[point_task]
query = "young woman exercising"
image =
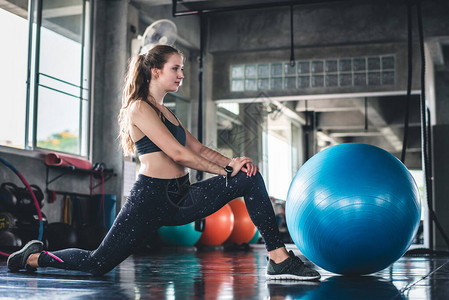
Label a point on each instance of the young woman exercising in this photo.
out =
(162, 194)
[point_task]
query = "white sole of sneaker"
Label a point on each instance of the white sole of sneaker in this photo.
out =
(291, 277)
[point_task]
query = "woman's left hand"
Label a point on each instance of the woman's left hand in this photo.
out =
(250, 168)
(245, 164)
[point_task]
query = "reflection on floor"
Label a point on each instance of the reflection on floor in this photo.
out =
(219, 274)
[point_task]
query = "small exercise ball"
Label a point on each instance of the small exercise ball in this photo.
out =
(9, 242)
(183, 235)
(255, 238)
(244, 228)
(353, 209)
(217, 227)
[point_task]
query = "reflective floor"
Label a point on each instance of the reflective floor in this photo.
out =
(219, 274)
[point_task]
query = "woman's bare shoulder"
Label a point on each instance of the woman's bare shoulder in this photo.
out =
(138, 105)
(141, 108)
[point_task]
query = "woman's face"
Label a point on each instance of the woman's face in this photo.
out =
(171, 75)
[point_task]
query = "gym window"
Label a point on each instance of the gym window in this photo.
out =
(47, 75)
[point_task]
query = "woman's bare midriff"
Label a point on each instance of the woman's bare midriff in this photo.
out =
(159, 165)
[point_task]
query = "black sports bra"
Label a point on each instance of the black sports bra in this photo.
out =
(145, 145)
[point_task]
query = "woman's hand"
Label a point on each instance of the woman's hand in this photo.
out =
(245, 164)
(251, 169)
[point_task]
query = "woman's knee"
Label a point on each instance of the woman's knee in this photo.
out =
(250, 181)
(98, 267)
(255, 178)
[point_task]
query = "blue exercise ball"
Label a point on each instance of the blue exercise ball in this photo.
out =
(353, 209)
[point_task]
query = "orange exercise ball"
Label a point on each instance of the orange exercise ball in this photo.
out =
(217, 227)
(244, 228)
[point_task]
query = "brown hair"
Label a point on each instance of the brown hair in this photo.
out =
(137, 81)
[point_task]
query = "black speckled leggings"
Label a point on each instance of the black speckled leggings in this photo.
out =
(157, 202)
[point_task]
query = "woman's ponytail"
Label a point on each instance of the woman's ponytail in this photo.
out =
(136, 80)
(136, 87)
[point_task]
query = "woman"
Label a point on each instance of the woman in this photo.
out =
(162, 194)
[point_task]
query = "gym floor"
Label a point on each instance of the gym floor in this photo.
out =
(219, 274)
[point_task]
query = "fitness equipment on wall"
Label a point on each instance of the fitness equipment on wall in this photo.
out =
(19, 199)
(7, 221)
(7, 198)
(58, 159)
(28, 226)
(33, 196)
(19, 214)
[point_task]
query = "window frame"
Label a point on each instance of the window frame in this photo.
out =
(32, 82)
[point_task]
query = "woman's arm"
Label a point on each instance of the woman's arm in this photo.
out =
(193, 144)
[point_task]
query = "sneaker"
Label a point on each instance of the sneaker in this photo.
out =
(292, 268)
(17, 260)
